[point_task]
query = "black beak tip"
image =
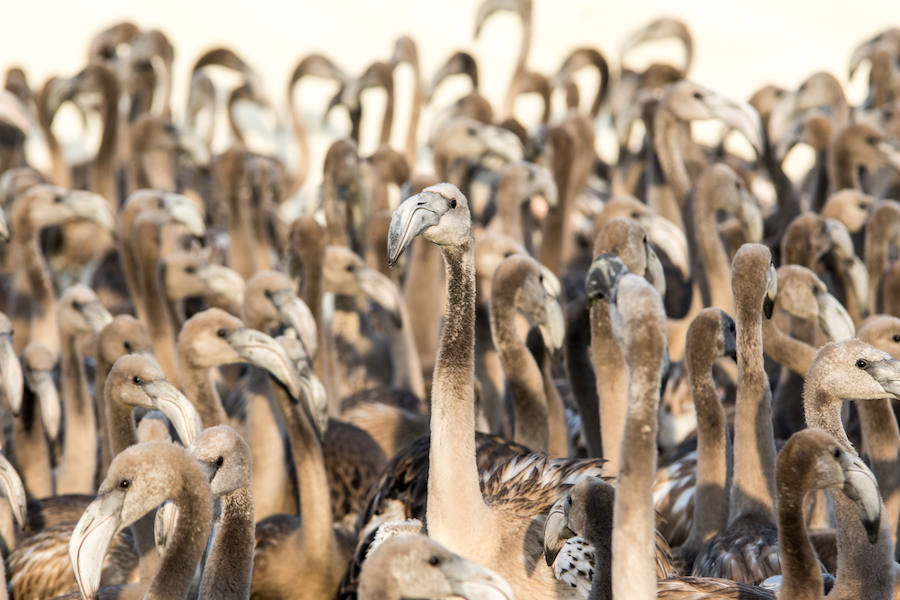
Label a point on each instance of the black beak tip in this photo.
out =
(768, 307)
(872, 529)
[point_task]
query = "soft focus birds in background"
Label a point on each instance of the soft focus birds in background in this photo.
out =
(484, 364)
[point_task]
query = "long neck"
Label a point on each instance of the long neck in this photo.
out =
(553, 244)
(42, 324)
(406, 362)
(558, 438)
(455, 504)
(753, 490)
(612, 382)
(79, 463)
(601, 583)
(581, 374)
(802, 577)
(864, 570)
(104, 165)
(159, 322)
(634, 568)
(842, 168)
(229, 563)
(422, 292)
(711, 495)
(522, 372)
(666, 138)
(713, 259)
(787, 351)
(176, 568)
(509, 213)
(412, 134)
(31, 455)
(100, 374)
(198, 387)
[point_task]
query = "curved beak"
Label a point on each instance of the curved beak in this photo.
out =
(5, 235)
(502, 143)
(12, 111)
(552, 326)
(164, 525)
(183, 211)
(787, 141)
(860, 486)
(890, 152)
(771, 292)
(312, 390)
(263, 351)
(90, 540)
(668, 237)
(14, 490)
(739, 115)
(472, 581)
(655, 273)
(887, 373)
(381, 290)
(40, 382)
(413, 216)
(96, 315)
(294, 311)
(556, 530)
(92, 207)
(177, 408)
(194, 147)
(11, 378)
(834, 319)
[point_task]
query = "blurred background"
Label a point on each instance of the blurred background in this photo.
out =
(739, 46)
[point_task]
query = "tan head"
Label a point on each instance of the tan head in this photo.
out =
(865, 145)
(754, 280)
(45, 205)
(226, 457)
(586, 511)
(534, 291)
(728, 192)
(440, 213)
(687, 102)
(849, 370)
(80, 311)
(850, 207)
(213, 337)
(270, 300)
(806, 239)
(139, 479)
(123, 335)
(882, 332)
(802, 294)
(626, 239)
(490, 250)
(415, 566)
(137, 381)
(667, 236)
(814, 460)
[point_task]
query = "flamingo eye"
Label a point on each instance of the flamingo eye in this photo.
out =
(221, 333)
(220, 461)
(861, 364)
(836, 452)
(434, 561)
(124, 484)
(453, 203)
(137, 380)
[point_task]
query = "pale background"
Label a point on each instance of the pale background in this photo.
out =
(739, 45)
